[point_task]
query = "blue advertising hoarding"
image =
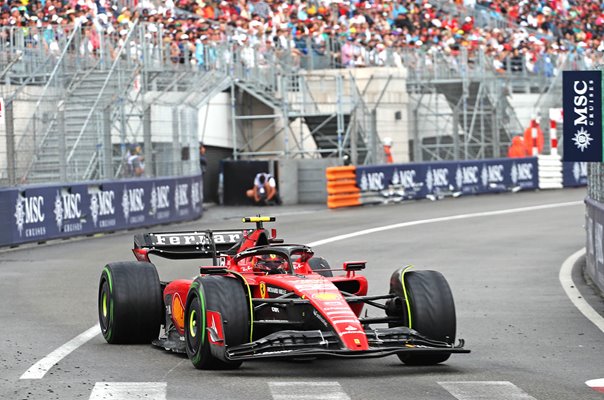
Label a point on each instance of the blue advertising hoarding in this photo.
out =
(421, 180)
(582, 107)
(574, 174)
(39, 213)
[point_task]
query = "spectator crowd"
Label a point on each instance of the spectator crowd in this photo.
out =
(536, 35)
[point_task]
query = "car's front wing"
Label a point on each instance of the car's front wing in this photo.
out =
(315, 343)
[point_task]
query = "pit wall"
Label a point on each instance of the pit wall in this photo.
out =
(42, 212)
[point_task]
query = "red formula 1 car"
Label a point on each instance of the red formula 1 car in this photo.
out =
(261, 298)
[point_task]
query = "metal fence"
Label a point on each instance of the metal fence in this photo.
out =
(78, 99)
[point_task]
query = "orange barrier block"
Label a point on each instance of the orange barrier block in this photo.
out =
(344, 200)
(335, 173)
(342, 190)
(343, 186)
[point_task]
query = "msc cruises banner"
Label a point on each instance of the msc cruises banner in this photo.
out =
(421, 180)
(582, 107)
(39, 213)
(574, 174)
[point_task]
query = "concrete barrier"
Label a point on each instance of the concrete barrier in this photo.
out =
(594, 228)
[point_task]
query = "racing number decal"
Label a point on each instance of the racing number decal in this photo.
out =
(263, 290)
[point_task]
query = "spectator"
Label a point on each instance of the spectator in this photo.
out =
(135, 162)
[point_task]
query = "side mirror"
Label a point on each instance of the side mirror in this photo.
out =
(351, 266)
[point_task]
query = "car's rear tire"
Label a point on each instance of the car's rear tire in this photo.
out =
(320, 266)
(130, 302)
(226, 296)
(432, 310)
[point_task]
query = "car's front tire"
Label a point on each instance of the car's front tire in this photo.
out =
(431, 311)
(130, 302)
(225, 296)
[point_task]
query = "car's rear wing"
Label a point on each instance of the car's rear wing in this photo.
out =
(183, 245)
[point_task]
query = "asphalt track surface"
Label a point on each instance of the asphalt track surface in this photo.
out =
(528, 341)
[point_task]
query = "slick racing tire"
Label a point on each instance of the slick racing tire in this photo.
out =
(225, 296)
(130, 302)
(431, 309)
(320, 266)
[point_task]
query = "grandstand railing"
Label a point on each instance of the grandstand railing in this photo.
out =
(69, 50)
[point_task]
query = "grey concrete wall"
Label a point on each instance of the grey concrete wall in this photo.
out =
(288, 181)
(312, 184)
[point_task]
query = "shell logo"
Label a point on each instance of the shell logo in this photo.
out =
(178, 311)
(325, 296)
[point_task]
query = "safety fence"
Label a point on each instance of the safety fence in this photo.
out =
(594, 254)
(42, 212)
(392, 183)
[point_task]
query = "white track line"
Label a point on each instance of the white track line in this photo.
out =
(129, 391)
(442, 219)
(39, 369)
(311, 390)
(485, 390)
(574, 295)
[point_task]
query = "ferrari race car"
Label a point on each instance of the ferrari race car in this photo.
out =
(261, 298)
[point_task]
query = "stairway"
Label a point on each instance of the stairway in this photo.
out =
(324, 130)
(480, 111)
(86, 88)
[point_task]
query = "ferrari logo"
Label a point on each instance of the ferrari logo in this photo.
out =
(262, 290)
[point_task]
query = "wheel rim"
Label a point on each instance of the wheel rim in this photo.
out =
(192, 328)
(104, 304)
(193, 324)
(104, 307)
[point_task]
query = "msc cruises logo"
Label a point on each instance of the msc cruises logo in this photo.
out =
(582, 98)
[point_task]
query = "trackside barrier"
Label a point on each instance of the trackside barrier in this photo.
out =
(379, 184)
(41, 212)
(390, 183)
(594, 228)
(574, 173)
(550, 172)
(342, 190)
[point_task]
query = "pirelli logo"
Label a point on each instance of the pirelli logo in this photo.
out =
(194, 238)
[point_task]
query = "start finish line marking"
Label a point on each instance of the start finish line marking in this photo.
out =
(311, 390)
(129, 391)
(485, 390)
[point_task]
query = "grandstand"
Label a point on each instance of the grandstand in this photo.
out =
(82, 80)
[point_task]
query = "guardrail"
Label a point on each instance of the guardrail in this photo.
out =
(42, 212)
(391, 183)
(594, 228)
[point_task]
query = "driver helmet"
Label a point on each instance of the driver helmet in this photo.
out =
(271, 263)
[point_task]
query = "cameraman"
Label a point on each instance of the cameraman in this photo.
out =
(264, 190)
